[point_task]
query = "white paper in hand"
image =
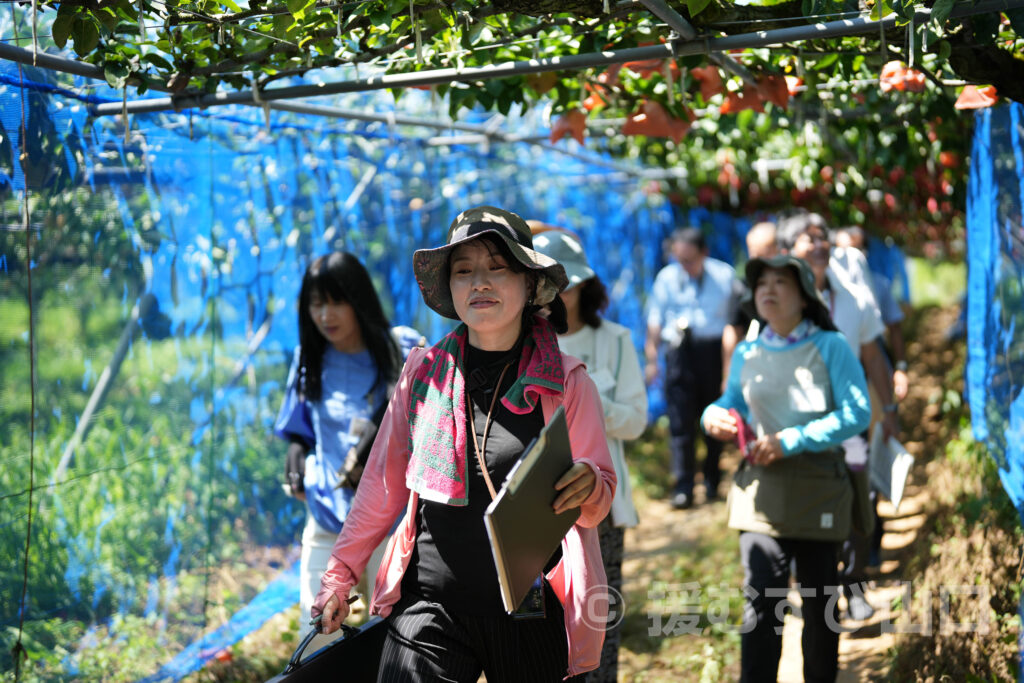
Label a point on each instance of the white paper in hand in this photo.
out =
(890, 466)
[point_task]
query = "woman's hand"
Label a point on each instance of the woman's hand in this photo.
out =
(900, 385)
(575, 485)
(295, 469)
(766, 450)
(334, 614)
(719, 424)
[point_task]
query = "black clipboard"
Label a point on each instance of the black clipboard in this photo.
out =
(521, 524)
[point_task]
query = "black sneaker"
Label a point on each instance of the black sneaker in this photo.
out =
(682, 501)
(858, 608)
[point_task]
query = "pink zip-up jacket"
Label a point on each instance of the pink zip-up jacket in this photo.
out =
(578, 579)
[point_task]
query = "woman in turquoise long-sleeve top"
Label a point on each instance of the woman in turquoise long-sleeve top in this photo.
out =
(802, 392)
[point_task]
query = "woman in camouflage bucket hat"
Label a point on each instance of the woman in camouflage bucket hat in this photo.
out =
(447, 443)
(431, 266)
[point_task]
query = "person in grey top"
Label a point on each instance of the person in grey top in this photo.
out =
(691, 302)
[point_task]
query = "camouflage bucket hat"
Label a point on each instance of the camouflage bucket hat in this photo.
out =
(431, 265)
(816, 311)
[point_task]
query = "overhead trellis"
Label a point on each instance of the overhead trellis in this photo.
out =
(677, 36)
(830, 96)
(183, 45)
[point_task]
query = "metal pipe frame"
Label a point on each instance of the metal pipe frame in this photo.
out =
(484, 132)
(678, 23)
(842, 27)
(674, 19)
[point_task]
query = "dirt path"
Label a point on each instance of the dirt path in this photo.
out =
(664, 532)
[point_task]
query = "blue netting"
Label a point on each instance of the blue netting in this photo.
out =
(995, 291)
(165, 269)
(995, 295)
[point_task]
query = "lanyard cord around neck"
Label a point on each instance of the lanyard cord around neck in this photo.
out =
(482, 448)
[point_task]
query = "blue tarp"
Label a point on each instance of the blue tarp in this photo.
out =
(995, 291)
(995, 295)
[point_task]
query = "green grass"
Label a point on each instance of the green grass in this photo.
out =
(684, 602)
(936, 283)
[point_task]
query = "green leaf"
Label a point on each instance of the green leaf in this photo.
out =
(116, 74)
(281, 24)
(157, 61)
(85, 35)
(297, 7)
(696, 6)
(944, 49)
(941, 10)
(881, 9)
(106, 17)
(61, 28)
(505, 101)
(494, 86)
(231, 5)
(826, 61)
(381, 16)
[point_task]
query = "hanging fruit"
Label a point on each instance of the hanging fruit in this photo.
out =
(652, 120)
(572, 123)
(710, 81)
(897, 76)
(748, 98)
(976, 97)
(772, 88)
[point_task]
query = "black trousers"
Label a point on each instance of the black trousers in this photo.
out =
(612, 539)
(427, 642)
(693, 379)
(766, 562)
(857, 549)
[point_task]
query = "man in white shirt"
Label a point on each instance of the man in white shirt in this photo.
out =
(892, 315)
(691, 302)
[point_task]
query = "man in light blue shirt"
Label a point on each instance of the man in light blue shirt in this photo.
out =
(692, 301)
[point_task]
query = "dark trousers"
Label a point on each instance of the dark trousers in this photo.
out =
(857, 549)
(766, 561)
(427, 642)
(612, 540)
(693, 379)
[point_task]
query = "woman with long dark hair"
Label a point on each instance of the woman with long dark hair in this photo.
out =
(348, 357)
(461, 415)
